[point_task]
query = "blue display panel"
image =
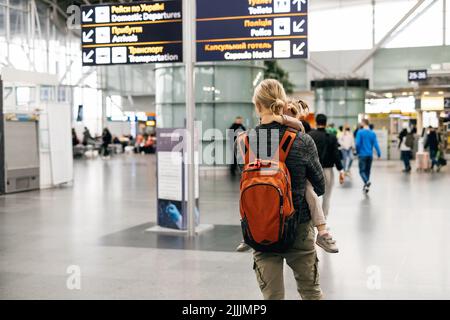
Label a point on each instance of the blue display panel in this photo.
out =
(132, 33)
(235, 30)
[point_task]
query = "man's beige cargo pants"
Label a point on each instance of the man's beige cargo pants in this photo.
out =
(301, 258)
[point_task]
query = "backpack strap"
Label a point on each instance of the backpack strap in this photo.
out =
(243, 144)
(285, 144)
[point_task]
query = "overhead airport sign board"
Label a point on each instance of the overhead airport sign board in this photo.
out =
(235, 30)
(417, 75)
(132, 33)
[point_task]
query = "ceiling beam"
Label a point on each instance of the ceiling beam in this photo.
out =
(317, 66)
(406, 25)
(366, 58)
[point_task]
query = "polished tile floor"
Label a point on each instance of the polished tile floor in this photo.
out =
(394, 243)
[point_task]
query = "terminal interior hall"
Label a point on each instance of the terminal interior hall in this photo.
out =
(96, 204)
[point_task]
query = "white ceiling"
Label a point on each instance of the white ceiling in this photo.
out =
(334, 4)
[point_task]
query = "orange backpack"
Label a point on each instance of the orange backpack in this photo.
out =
(268, 218)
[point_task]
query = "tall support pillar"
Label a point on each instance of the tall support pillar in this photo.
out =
(2, 143)
(444, 22)
(189, 60)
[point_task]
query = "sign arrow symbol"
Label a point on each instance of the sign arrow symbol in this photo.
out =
(299, 4)
(298, 27)
(298, 49)
(87, 16)
(87, 36)
(87, 58)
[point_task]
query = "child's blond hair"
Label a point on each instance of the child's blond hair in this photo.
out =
(270, 94)
(297, 107)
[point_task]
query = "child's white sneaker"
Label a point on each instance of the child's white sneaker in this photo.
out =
(327, 243)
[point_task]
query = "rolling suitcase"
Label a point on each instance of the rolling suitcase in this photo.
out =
(422, 161)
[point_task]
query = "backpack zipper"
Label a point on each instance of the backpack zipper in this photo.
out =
(290, 188)
(276, 170)
(260, 169)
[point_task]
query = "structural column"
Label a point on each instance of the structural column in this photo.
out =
(341, 100)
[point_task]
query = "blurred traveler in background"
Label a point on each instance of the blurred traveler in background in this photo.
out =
(432, 143)
(149, 144)
(340, 132)
(77, 148)
(441, 158)
(139, 143)
(330, 157)
(332, 130)
(106, 141)
(75, 140)
(356, 130)
(406, 145)
(236, 128)
(87, 137)
(347, 143)
(126, 140)
(366, 141)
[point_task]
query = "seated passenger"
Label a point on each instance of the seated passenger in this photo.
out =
(139, 143)
(149, 145)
